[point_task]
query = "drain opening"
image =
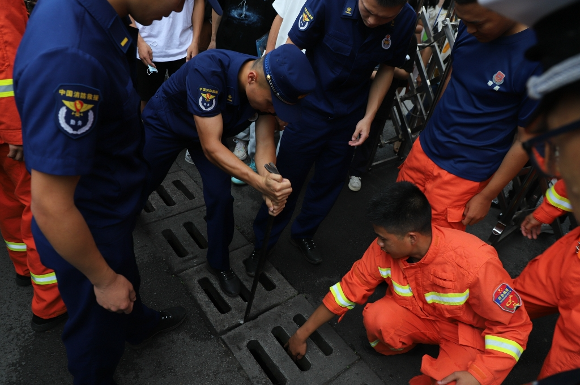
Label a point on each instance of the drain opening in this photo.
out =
(196, 235)
(266, 282)
(181, 187)
(244, 293)
(164, 195)
(270, 369)
(324, 347)
(174, 243)
(282, 337)
(148, 207)
(214, 296)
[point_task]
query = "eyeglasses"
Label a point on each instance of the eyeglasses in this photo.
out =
(543, 153)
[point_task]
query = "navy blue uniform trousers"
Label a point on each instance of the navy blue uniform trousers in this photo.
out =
(94, 338)
(161, 149)
(314, 140)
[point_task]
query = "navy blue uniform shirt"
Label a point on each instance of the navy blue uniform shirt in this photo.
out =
(80, 112)
(205, 86)
(344, 52)
(474, 123)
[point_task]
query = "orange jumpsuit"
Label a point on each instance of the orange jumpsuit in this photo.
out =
(458, 296)
(555, 203)
(15, 214)
(447, 193)
(551, 284)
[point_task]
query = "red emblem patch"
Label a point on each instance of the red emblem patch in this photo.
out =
(498, 78)
(507, 298)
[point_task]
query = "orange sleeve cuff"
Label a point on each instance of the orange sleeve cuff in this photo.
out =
(331, 304)
(546, 213)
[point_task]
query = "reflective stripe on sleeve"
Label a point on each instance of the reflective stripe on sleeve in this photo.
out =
(504, 345)
(454, 299)
(374, 343)
(404, 291)
(340, 298)
(15, 246)
(45, 279)
(385, 272)
(557, 200)
(6, 88)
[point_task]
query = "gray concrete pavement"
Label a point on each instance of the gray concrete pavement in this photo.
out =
(195, 354)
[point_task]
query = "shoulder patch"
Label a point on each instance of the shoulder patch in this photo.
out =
(507, 298)
(304, 19)
(208, 97)
(76, 109)
(386, 43)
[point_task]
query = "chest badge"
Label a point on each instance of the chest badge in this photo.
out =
(386, 43)
(207, 98)
(305, 19)
(507, 298)
(76, 109)
(498, 80)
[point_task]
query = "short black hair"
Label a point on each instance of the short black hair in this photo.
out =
(462, 2)
(401, 208)
(391, 3)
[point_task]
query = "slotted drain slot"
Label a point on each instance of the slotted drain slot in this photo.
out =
(244, 293)
(214, 296)
(164, 195)
(266, 282)
(196, 235)
(266, 363)
(282, 337)
(148, 207)
(174, 243)
(324, 347)
(181, 187)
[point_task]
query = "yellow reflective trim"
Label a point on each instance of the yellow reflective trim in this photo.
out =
(404, 291)
(125, 40)
(374, 343)
(557, 200)
(44, 279)
(6, 82)
(15, 246)
(340, 298)
(385, 272)
(504, 345)
(453, 299)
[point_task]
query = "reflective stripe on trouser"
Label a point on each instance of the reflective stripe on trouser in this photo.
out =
(15, 219)
(448, 194)
(6, 88)
(401, 330)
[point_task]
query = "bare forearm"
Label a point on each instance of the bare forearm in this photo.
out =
(215, 23)
(197, 20)
(273, 36)
(320, 316)
(379, 87)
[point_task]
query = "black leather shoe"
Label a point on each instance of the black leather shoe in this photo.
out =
(23, 280)
(308, 249)
(229, 281)
(40, 325)
(169, 320)
(251, 263)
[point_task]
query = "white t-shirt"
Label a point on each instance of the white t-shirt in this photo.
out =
(288, 11)
(170, 36)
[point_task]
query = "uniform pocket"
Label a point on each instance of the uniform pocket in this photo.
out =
(443, 279)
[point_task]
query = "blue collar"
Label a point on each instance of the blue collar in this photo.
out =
(108, 18)
(350, 9)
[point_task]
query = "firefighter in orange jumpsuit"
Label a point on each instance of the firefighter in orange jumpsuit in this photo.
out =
(550, 282)
(15, 214)
(445, 287)
(555, 204)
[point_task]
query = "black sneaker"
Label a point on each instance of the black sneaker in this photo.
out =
(308, 249)
(169, 320)
(251, 263)
(229, 281)
(40, 325)
(23, 280)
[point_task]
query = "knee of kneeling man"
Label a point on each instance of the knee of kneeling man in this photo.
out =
(376, 317)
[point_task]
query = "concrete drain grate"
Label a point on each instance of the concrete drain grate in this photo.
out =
(182, 239)
(225, 313)
(258, 347)
(178, 193)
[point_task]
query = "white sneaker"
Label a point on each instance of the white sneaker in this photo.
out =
(188, 158)
(241, 150)
(354, 183)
